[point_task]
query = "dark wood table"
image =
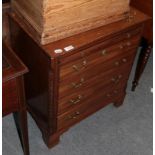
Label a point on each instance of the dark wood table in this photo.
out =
(147, 39)
(13, 98)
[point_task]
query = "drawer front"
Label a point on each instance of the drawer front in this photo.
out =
(82, 96)
(92, 105)
(96, 57)
(9, 96)
(126, 36)
(95, 77)
(75, 83)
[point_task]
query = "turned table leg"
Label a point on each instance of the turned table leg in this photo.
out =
(142, 61)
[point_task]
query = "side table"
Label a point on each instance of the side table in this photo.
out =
(13, 98)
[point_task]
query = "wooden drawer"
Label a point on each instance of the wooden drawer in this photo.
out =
(74, 82)
(97, 57)
(93, 104)
(72, 87)
(118, 39)
(80, 96)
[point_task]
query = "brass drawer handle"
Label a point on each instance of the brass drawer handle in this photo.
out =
(115, 92)
(108, 95)
(128, 35)
(128, 44)
(104, 52)
(74, 116)
(77, 85)
(117, 79)
(124, 60)
(117, 63)
(80, 67)
(76, 101)
(120, 76)
(121, 46)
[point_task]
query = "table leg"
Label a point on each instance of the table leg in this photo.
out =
(142, 61)
(21, 125)
(21, 118)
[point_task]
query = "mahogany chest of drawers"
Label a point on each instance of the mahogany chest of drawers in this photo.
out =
(72, 78)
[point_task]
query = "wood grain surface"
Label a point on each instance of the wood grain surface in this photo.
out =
(54, 20)
(146, 7)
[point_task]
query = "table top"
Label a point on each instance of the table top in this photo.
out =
(12, 66)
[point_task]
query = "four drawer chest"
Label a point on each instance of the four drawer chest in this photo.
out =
(72, 78)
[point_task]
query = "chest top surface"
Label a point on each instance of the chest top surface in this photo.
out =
(12, 66)
(87, 38)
